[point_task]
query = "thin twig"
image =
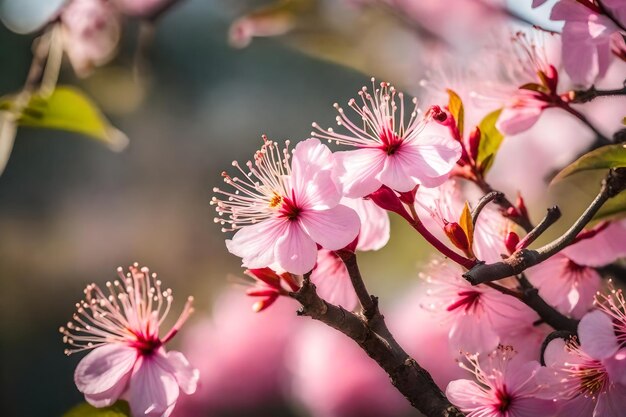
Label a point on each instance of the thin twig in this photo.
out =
(506, 206)
(584, 96)
(552, 215)
(486, 199)
(518, 262)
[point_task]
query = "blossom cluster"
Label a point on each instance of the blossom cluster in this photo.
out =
(549, 340)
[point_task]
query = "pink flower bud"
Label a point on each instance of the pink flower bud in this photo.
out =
(474, 142)
(387, 199)
(437, 114)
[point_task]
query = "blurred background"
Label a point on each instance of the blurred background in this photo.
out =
(72, 211)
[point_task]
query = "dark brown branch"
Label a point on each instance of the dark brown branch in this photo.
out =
(553, 214)
(486, 199)
(373, 336)
(518, 262)
(584, 96)
(368, 302)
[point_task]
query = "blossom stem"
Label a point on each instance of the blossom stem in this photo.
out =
(518, 262)
(373, 336)
(439, 245)
(368, 302)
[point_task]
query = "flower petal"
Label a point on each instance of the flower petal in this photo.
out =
(255, 243)
(430, 159)
(296, 252)
(597, 336)
(153, 388)
(465, 394)
(374, 233)
(186, 375)
(514, 120)
(104, 368)
(312, 175)
(334, 228)
(331, 278)
(360, 168)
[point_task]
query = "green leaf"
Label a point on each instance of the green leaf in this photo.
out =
(610, 156)
(119, 409)
(67, 109)
(455, 106)
(490, 140)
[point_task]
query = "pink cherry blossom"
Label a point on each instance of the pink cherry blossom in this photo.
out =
(588, 37)
(480, 316)
(604, 247)
(240, 355)
(283, 210)
(566, 285)
(391, 151)
(358, 387)
(580, 381)
(91, 33)
(128, 358)
(505, 386)
(374, 233)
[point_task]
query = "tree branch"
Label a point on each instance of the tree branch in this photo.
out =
(368, 302)
(518, 262)
(508, 209)
(486, 199)
(584, 96)
(553, 214)
(373, 336)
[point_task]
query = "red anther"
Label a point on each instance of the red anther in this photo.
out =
(437, 114)
(521, 206)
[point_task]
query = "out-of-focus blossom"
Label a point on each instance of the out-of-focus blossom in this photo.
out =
(565, 284)
(241, 356)
(331, 278)
(129, 360)
(588, 37)
(91, 33)
(505, 386)
(360, 389)
(603, 333)
(283, 210)
(604, 247)
(579, 381)
(480, 316)
(391, 151)
(423, 334)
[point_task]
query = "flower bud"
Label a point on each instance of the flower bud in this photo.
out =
(474, 142)
(387, 199)
(457, 236)
(511, 241)
(437, 114)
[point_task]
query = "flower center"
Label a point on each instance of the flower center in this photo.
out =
(593, 378)
(146, 346)
(468, 300)
(390, 141)
(504, 400)
(289, 208)
(275, 200)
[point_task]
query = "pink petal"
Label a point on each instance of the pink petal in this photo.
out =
(616, 367)
(580, 59)
(602, 249)
(514, 120)
(520, 377)
(296, 252)
(429, 159)
(255, 243)
(104, 369)
(532, 407)
(611, 402)
(570, 11)
(537, 3)
(465, 394)
(334, 228)
(580, 406)
(374, 233)
(556, 355)
(331, 278)
(186, 375)
(395, 173)
(109, 397)
(312, 175)
(471, 334)
(617, 8)
(360, 168)
(153, 388)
